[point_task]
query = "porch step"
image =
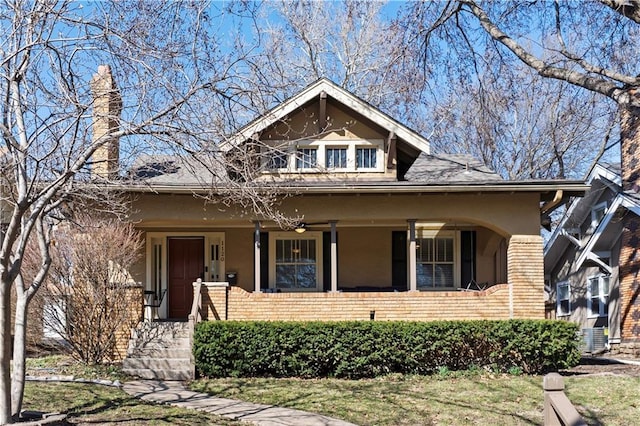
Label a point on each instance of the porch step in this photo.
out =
(161, 331)
(147, 374)
(160, 350)
(154, 364)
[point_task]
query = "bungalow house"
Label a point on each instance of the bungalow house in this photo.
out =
(384, 229)
(583, 261)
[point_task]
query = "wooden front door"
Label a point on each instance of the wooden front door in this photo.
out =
(186, 265)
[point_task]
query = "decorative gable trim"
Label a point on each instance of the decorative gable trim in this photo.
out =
(341, 95)
(588, 253)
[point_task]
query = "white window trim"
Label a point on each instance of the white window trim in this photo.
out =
(337, 146)
(594, 216)
(433, 233)
(379, 158)
(601, 302)
(321, 146)
(308, 235)
(160, 238)
(558, 300)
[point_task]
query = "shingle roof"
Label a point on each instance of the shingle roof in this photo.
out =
(449, 168)
(176, 170)
(428, 169)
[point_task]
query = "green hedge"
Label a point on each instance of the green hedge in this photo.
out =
(358, 349)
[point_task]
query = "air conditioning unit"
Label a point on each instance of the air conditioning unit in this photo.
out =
(595, 339)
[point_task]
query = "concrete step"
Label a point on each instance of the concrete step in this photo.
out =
(161, 343)
(161, 330)
(159, 352)
(183, 374)
(156, 363)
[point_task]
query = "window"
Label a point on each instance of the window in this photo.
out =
(563, 302)
(311, 156)
(597, 213)
(295, 261)
(366, 158)
(307, 158)
(278, 160)
(336, 158)
(598, 296)
(435, 262)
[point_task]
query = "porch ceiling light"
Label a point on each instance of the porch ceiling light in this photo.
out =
(300, 228)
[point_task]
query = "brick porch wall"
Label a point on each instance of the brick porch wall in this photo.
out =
(131, 318)
(234, 303)
(522, 299)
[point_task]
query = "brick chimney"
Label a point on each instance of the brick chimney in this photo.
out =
(630, 245)
(107, 105)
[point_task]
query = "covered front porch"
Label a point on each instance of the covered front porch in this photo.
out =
(419, 270)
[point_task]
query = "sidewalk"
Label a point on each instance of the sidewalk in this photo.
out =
(174, 393)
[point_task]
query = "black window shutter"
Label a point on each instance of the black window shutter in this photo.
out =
(467, 257)
(399, 259)
(326, 260)
(264, 260)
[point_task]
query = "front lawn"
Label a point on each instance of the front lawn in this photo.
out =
(94, 404)
(443, 399)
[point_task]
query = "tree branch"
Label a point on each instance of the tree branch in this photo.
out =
(627, 8)
(599, 85)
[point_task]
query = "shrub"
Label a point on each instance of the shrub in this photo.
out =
(359, 349)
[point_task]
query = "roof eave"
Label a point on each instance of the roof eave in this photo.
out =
(570, 188)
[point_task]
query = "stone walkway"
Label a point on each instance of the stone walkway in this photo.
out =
(174, 393)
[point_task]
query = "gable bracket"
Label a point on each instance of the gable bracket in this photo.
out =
(322, 113)
(391, 151)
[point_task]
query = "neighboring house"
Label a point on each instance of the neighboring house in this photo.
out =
(390, 231)
(582, 259)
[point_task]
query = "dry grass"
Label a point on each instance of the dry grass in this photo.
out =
(94, 404)
(87, 404)
(446, 399)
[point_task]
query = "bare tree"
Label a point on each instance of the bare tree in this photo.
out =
(174, 86)
(86, 292)
(521, 126)
(352, 43)
(591, 45)
(464, 103)
(587, 45)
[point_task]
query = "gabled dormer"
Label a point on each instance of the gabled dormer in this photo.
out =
(323, 133)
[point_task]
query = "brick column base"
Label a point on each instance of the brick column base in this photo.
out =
(630, 280)
(215, 301)
(525, 274)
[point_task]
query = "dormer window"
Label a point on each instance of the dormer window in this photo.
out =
(278, 160)
(336, 158)
(366, 158)
(314, 156)
(307, 158)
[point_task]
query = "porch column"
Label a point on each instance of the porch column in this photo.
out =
(413, 280)
(256, 257)
(525, 273)
(334, 257)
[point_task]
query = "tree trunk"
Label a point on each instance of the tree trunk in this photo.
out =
(5, 352)
(19, 354)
